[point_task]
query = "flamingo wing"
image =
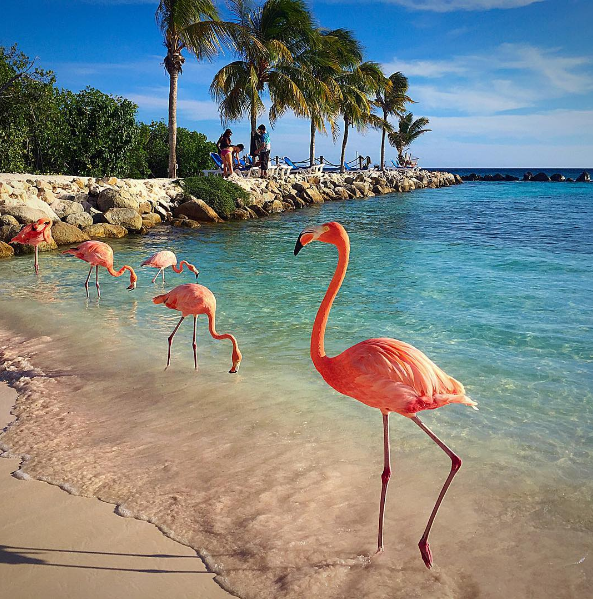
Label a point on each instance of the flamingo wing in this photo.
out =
(394, 376)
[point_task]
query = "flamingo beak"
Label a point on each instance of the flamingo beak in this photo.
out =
(132, 286)
(235, 368)
(298, 245)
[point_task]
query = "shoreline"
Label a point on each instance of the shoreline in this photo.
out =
(83, 208)
(70, 546)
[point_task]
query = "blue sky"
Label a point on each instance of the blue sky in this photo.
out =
(505, 83)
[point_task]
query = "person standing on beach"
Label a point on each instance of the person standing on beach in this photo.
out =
(254, 147)
(264, 150)
(225, 150)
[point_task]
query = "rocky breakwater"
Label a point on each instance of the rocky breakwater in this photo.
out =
(82, 208)
(271, 196)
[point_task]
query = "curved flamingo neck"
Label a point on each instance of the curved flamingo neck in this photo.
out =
(121, 271)
(179, 268)
(318, 335)
(215, 335)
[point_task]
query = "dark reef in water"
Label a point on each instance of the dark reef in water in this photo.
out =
(584, 177)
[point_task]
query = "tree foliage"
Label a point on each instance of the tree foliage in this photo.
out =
(409, 129)
(47, 130)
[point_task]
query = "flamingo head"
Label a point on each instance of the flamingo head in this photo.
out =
(41, 225)
(328, 233)
(133, 279)
(237, 357)
(194, 270)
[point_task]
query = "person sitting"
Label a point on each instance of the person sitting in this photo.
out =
(237, 150)
(225, 150)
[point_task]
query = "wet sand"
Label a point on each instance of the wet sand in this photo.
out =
(57, 545)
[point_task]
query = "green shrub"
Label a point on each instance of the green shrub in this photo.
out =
(217, 192)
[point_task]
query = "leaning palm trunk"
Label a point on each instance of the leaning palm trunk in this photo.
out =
(344, 142)
(383, 135)
(312, 146)
(174, 76)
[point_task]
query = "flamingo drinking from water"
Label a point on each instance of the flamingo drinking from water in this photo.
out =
(195, 299)
(97, 253)
(382, 373)
(35, 234)
(162, 260)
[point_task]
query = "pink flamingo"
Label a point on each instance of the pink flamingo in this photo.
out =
(162, 260)
(382, 373)
(97, 253)
(35, 234)
(196, 299)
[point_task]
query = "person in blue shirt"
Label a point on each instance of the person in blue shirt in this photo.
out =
(264, 150)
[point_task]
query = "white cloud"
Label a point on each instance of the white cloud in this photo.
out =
(453, 5)
(190, 110)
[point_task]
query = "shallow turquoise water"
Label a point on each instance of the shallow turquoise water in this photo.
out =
(494, 282)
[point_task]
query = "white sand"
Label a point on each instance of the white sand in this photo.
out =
(59, 546)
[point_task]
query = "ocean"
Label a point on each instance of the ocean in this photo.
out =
(274, 477)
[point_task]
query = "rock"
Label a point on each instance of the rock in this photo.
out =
(24, 214)
(558, 178)
(341, 193)
(240, 214)
(527, 176)
(6, 250)
(311, 196)
(20, 249)
(7, 232)
(584, 177)
(64, 208)
(144, 207)
(125, 217)
(81, 219)
(65, 234)
(187, 223)
(6, 219)
(274, 206)
(101, 230)
(569, 180)
(197, 210)
(498, 177)
(116, 198)
(258, 210)
(541, 177)
(47, 195)
(152, 218)
(510, 178)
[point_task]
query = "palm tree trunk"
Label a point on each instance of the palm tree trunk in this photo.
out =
(253, 117)
(312, 147)
(383, 134)
(173, 77)
(344, 142)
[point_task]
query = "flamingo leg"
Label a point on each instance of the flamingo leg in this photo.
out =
(385, 476)
(194, 344)
(171, 341)
(97, 281)
(36, 260)
(158, 272)
(455, 465)
(163, 274)
(86, 283)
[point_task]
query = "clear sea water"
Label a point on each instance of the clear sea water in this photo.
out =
(273, 476)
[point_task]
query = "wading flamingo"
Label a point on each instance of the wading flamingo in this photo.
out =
(382, 373)
(97, 253)
(195, 299)
(35, 234)
(162, 260)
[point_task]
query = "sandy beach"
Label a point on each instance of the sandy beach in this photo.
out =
(56, 545)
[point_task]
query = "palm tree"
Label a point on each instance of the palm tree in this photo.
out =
(332, 52)
(357, 85)
(392, 101)
(267, 39)
(409, 130)
(186, 24)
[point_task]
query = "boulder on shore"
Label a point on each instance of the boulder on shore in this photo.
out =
(125, 217)
(6, 250)
(100, 230)
(65, 234)
(196, 209)
(116, 198)
(584, 177)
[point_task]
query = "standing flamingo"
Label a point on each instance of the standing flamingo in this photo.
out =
(97, 253)
(196, 299)
(382, 373)
(162, 260)
(35, 234)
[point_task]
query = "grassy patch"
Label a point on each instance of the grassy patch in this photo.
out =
(217, 192)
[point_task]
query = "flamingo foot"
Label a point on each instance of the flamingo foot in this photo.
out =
(380, 551)
(425, 552)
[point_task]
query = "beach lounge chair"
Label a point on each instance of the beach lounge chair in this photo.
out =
(316, 169)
